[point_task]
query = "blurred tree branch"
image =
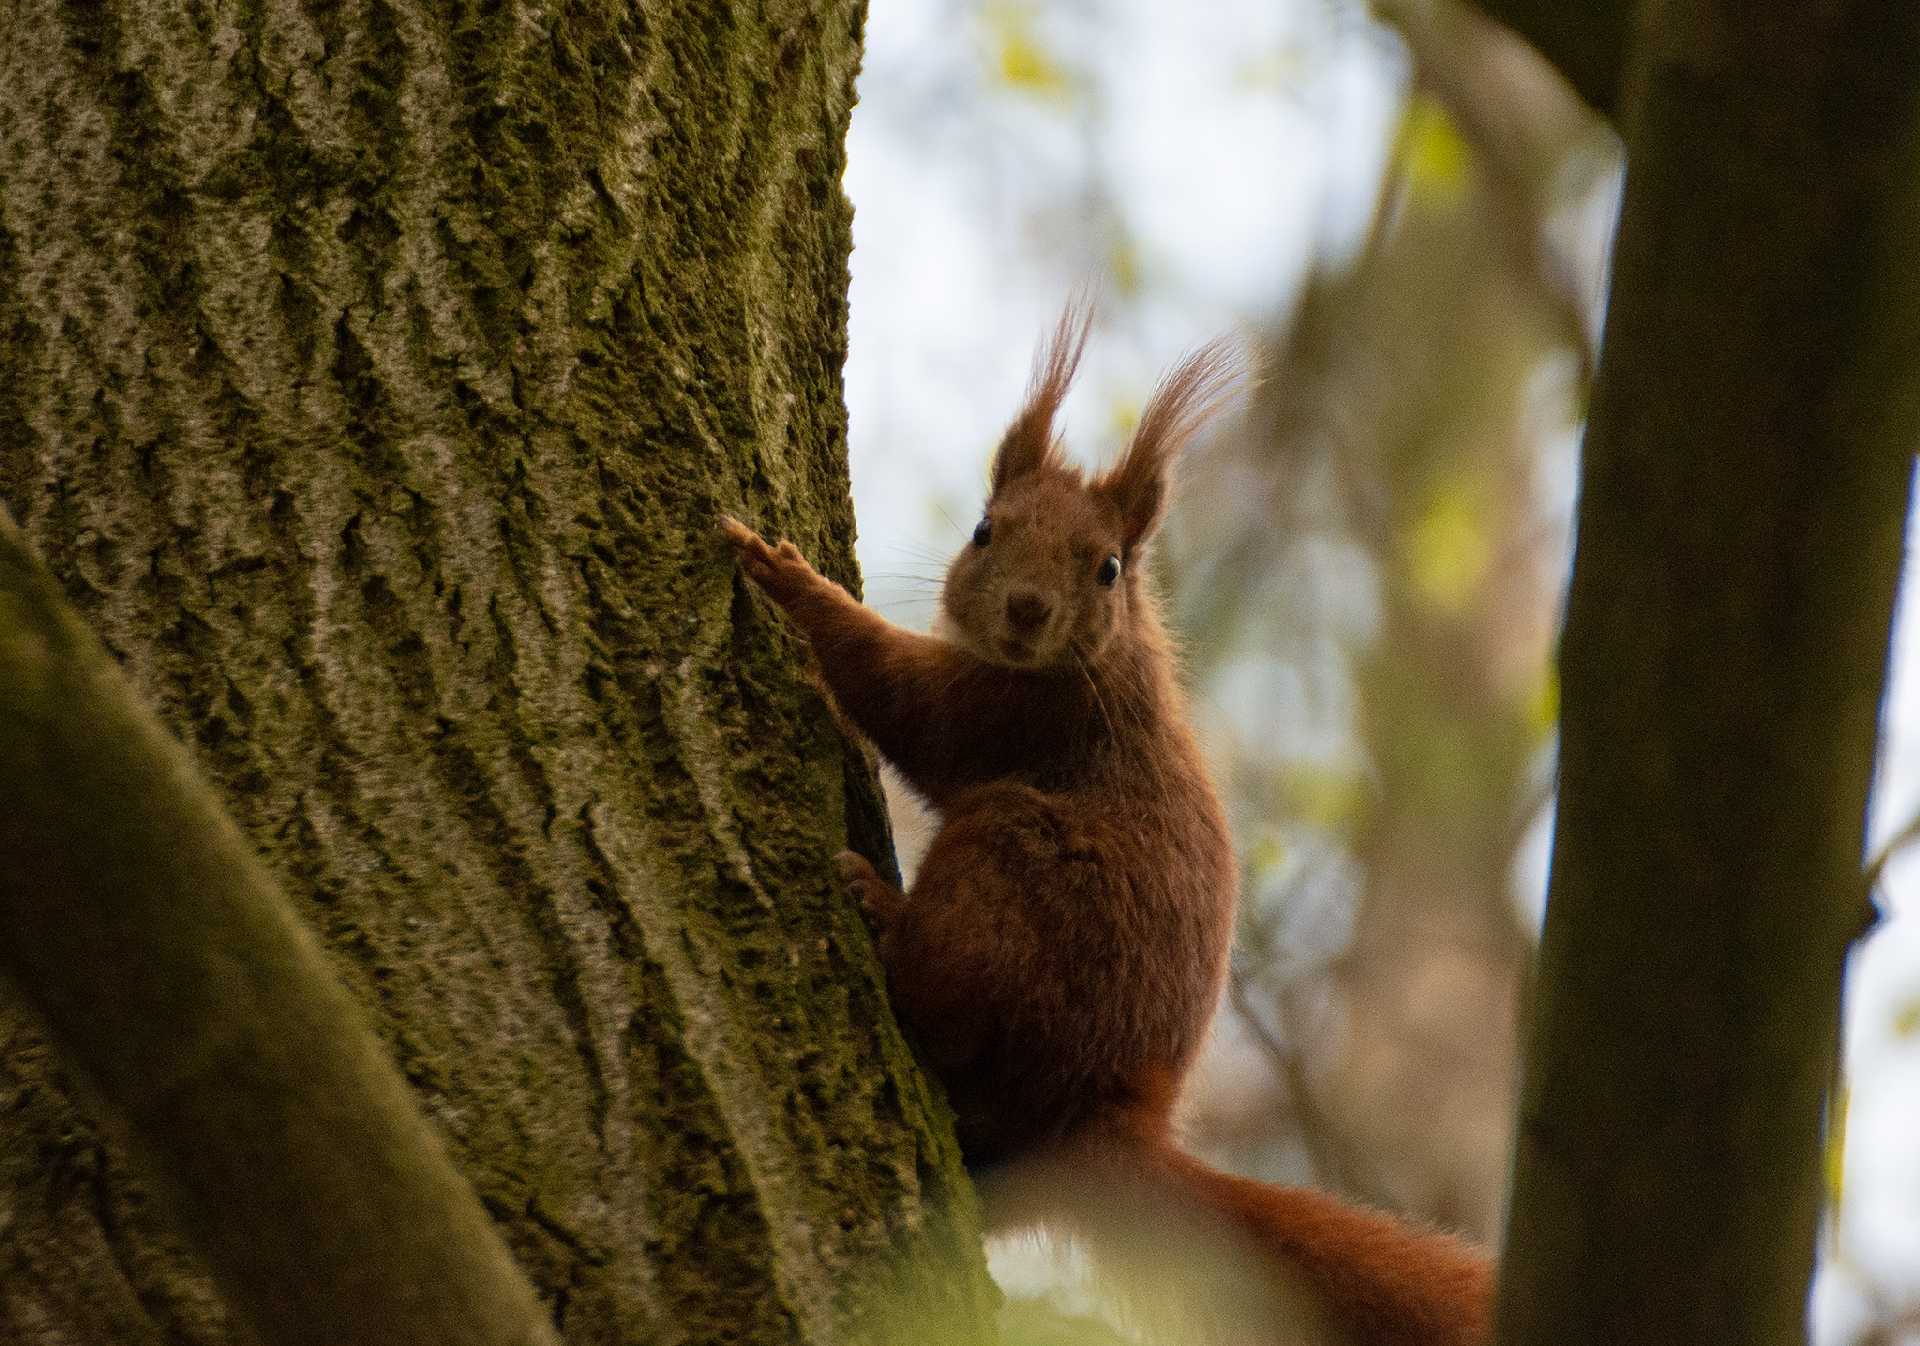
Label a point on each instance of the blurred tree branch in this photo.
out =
(1876, 870)
(1400, 423)
(1586, 43)
(1333, 1163)
(1520, 135)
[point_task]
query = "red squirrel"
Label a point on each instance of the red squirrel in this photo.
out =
(1061, 952)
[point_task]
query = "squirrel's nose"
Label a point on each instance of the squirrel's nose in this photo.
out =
(1027, 611)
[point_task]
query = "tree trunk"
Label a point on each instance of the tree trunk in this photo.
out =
(1744, 493)
(288, 1144)
(370, 376)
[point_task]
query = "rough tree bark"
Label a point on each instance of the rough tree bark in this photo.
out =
(287, 1142)
(1744, 492)
(370, 375)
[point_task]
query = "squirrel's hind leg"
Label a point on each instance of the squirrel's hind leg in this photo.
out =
(880, 900)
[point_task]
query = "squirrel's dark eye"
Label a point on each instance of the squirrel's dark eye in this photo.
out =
(983, 532)
(1109, 571)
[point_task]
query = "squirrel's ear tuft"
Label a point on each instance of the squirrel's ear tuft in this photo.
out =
(1191, 394)
(1030, 442)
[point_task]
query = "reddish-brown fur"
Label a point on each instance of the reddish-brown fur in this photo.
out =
(1062, 950)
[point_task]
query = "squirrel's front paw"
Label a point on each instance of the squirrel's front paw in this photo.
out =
(781, 571)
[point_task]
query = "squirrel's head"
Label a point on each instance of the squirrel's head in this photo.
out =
(1053, 570)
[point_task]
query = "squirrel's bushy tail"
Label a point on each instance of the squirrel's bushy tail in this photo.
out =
(1226, 1259)
(1386, 1283)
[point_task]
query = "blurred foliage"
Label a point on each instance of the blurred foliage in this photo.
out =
(1037, 1322)
(1446, 551)
(1432, 154)
(1365, 566)
(1019, 56)
(1836, 1155)
(1367, 573)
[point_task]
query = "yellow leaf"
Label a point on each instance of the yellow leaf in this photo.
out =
(1433, 154)
(1542, 708)
(1447, 550)
(1328, 799)
(1266, 853)
(1020, 58)
(1836, 1156)
(1124, 266)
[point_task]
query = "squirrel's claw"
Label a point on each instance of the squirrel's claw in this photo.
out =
(756, 557)
(751, 546)
(736, 532)
(782, 571)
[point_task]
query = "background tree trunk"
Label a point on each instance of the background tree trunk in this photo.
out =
(1744, 491)
(370, 375)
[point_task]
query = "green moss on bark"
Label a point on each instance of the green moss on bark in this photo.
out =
(379, 372)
